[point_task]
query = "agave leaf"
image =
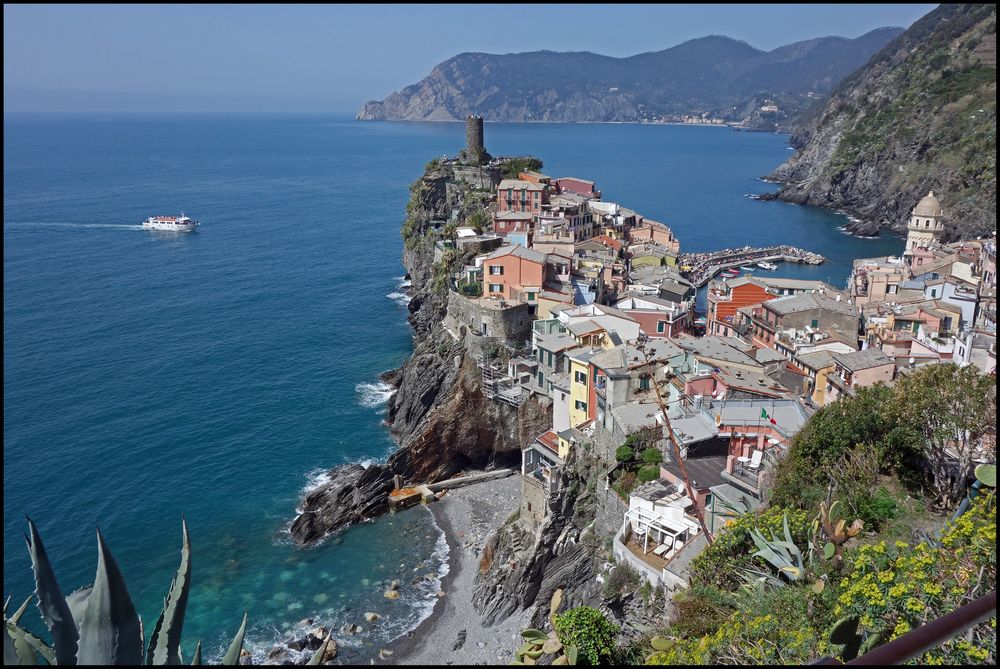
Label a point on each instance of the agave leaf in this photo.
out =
(25, 653)
(562, 659)
(552, 646)
(20, 611)
(6, 604)
(855, 528)
(165, 642)
(659, 643)
(21, 636)
(534, 636)
(9, 652)
(233, 654)
(318, 656)
(765, 551)
(794, 573)
(839, 529)
(51, 603)
(196, 660)
(110, 632)
(77, 603)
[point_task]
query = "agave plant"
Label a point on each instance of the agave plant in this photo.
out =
(784, 556)
(98, 624)
(537, 643)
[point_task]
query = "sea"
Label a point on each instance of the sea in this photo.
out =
(216, 376)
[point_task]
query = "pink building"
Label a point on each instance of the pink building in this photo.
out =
(578, 187)
(651, 231)
(514, 273)
(521, 196)
(860, 368)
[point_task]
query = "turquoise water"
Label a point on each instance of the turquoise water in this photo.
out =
(217, 374)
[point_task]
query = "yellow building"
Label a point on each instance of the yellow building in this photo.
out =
(579, 384)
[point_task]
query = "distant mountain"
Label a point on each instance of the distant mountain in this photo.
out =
(715, 77)
(920, 115)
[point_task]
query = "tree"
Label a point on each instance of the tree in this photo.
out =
(955, 410)
(478, 220)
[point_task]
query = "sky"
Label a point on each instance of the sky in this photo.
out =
(333, 58)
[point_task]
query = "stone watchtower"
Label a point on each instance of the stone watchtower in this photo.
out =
(474, 135)
(926, 225)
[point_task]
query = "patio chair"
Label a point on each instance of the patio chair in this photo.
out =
(755, 460)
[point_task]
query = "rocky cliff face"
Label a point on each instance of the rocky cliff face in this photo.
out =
(921, 115)
(438, 413)
(713, 76)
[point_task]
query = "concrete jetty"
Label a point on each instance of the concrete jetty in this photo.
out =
(699, 268)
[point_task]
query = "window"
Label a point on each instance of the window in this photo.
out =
(541, 379)
(892, 289)
(643, 383)
(580, 377)
(496, 287)
(933, 292)
(541, 356)
(550, 358)
(496, 270)
(815, 323)
(531, 296)
(661, 326)
(581, 406)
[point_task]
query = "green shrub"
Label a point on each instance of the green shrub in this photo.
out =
(893, 588)
(624, 454)
(877, 509)
(592, 634)
(652, 456)
(721, 564)
(625, 484)
(623, 578)
(649, 473)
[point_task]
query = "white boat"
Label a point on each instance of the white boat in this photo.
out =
(180, 223)
(767, 265)
(747, 269)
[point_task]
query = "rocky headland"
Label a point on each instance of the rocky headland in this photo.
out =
(920, 116)
(709, 77)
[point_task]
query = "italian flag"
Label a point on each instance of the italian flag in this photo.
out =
(763, 414)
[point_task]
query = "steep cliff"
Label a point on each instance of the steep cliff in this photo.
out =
(921, 115)
(715, 76)
(438, 413)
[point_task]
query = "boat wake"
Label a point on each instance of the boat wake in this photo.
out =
(46, 224)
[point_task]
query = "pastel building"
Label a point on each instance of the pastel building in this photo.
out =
(514, 273)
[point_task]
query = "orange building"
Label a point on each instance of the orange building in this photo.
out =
(725, 297)
(514, 273)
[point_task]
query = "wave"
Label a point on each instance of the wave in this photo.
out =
(402, 299)
(403, 282)
(374, 394)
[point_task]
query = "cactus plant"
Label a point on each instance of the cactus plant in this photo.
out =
(537, 643)
(99, 624)
(836, 531)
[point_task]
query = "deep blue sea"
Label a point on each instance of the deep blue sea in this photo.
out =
(217, 374)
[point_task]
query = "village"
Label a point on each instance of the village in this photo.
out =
(589, 307)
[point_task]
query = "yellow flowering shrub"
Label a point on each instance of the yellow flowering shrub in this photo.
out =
(744, 639)
(896, 588)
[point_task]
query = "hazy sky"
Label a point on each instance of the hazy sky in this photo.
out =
(335, 57)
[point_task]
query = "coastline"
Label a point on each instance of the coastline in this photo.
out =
(467, 516)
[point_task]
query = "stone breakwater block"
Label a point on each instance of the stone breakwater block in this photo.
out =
(404, 498)
(392, 594)
(426, 496)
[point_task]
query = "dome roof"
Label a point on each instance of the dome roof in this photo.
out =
(928, 206)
